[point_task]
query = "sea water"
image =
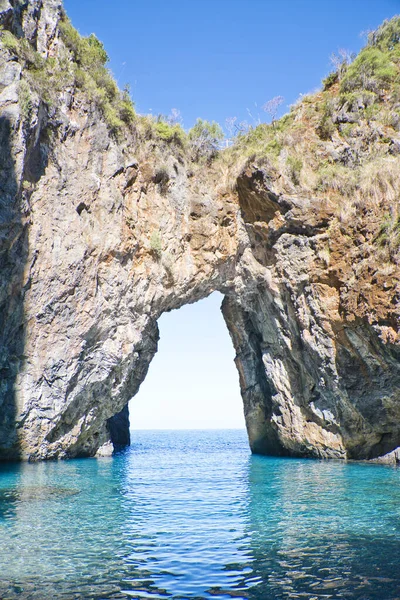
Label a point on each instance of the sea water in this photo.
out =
(191, 514)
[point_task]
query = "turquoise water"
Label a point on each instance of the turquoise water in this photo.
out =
(193, 515)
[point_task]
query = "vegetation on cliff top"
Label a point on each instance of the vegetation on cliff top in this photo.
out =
(339, 150)
(342, 143)
(79, 65)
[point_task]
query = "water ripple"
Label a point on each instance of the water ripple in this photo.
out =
(192, 515)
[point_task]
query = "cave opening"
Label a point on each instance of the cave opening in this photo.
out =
(192, 381)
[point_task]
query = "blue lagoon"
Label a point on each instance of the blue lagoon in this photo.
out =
(191, 514)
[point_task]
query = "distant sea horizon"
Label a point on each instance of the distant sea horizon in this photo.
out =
(187, 429)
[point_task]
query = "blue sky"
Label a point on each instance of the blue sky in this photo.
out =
(215, 59)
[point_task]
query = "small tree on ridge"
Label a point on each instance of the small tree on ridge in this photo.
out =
(271, 107)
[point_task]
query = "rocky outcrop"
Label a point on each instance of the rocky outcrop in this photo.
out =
(100, 235)
(315, 380)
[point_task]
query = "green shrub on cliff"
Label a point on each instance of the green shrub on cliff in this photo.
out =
(170, 133)
(387, 36)
(82, 64)
(325, 127)
(92, 76)
(356, 112)
(45, 77)
(156, 245)
(88, 52)
(372, 70)
(21, 48)
(24, 98)
(9, 41)
(330, 80)
(389, 234)
(204, 138)
(294, 165)
(126, 108)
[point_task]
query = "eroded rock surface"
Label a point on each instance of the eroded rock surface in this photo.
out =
(100, 236)
(316, 381)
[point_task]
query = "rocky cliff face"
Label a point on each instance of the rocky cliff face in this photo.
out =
(102, 233)
(316, 381)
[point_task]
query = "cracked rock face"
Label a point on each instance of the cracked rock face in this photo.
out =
(95, 245)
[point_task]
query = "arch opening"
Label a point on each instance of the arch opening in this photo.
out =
(192, 381)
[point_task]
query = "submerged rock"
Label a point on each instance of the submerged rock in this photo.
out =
(35, 493)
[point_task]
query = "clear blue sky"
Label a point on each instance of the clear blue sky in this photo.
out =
(216, 58)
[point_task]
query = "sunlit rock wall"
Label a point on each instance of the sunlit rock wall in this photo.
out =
(96, 245)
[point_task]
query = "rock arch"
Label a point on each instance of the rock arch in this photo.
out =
(99, 279)
(116, 233)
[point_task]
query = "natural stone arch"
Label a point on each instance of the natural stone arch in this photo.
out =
(96, 284)
(106, 235)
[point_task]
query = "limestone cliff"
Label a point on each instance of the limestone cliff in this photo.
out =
(105, 225)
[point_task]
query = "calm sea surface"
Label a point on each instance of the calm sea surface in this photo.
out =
(193, 515)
